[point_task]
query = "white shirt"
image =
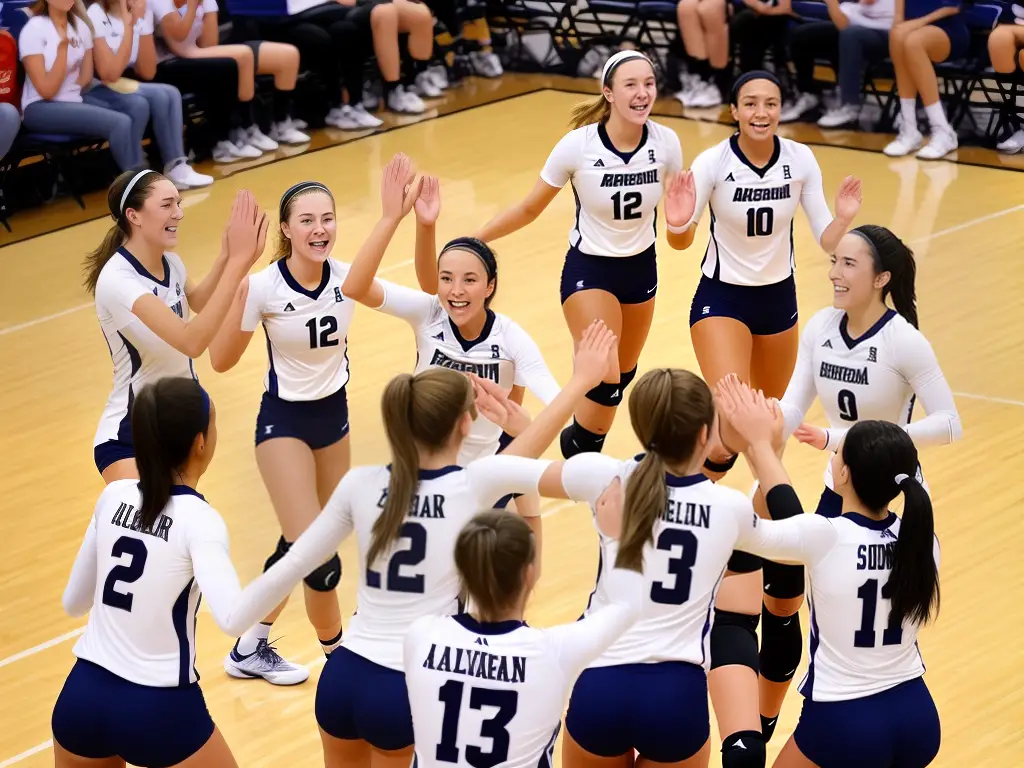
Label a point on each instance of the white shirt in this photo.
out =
(503, 353)
(142, 588)
(298, 6)
(139, 355)
(493, 694)
(110, 29)
(752, 209)
(162, 8)
(692, 542)
(40, 36)
(877, 15)
(418, 576)
(307, 331)
(853, 652)
(877, 376)
(617, 193)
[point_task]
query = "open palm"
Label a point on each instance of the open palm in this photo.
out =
(428, 205)
(848, 199)
(680, 199)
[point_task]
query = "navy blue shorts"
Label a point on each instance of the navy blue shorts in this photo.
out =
(99, 714)
(764, 309)
(660, 710)
(959, 36)
(630, 279)
(111, 452)
(317, 423)
(830, 504)
(358, 699)
(898, 728)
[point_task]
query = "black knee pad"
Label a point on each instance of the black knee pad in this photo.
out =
(606, 393)
(626, 378)
(783, 581)
(734, 640)
(326, 577)
(282, 550)
(743, 749)
(576, 439)
(781, 646)
(720, 466)
(744, 562)
(768, 727)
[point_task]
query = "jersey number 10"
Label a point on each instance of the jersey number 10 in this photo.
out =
(760, 222)
(494, 728)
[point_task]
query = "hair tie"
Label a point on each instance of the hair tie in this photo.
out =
(478, 248)
(128, 189)
(295, 189)
(900, 478)
(613, 63)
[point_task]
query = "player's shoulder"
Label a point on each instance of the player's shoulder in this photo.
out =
(175, 262)
(794, 151)
(119, 491)
(662, 133)
(824, 320)
(339, 269)
(899, 329)
(509, 328)
(715, 155)
(367, 475)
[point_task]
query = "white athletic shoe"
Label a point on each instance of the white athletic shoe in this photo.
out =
(267, 663)
(184, 177)
(804, 103)
(1012, 145)
(426, 87)
(285, 132)
(260, 140)
(707, 97)
(845, 114)
(942, 142)
(439, 74)
(228, 151)
(405, 102)
(905, 142)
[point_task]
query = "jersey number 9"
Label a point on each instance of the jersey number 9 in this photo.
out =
(414, 555)
(127, 574)
(494, 728)
(847, 402)
(681, 566)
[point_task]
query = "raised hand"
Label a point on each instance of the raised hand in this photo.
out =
(428, 204)
(399, 187)
(848, 199)
(749, 413)
(246, 230)
(594, 354)
(680, 198)
(493, 402)
(808, 434)
(138, 9)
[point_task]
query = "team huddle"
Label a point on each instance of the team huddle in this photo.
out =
(437, 667)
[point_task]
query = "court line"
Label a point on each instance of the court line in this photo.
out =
(41, 647)
(968, 224)
(987, 398)
(27, 753)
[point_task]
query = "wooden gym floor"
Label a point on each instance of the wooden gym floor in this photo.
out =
(964, 223)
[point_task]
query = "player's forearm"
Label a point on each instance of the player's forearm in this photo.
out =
(545, 428)
(505, 223)
(363, 271)
(426, 257)
(201, 329)
(200, 295)
(833, 234)
(682, 240)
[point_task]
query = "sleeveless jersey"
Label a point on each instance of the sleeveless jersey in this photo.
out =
(617, 193)
(306, 330)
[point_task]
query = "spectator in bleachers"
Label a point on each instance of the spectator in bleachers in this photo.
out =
(389, 19)
(856, 35)
(1006, 49)
(55, 47)
(924, 33)
(484, 60)
(762, 26)
(123, 43)
(704, 29)
(10, 124)
(190, 35)
(334, 41)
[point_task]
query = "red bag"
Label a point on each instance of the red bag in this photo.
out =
(9, 90)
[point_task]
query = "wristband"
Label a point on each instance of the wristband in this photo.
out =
(676, 230)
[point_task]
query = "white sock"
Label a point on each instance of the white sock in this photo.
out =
(936, 117)
(908, 109)
(247, 643)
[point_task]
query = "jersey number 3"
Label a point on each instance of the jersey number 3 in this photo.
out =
(414, 555)
(624, 206)
(494, 728)
(126, 574)
(681, 566)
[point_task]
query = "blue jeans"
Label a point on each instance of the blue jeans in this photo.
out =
(850, 51)
(10, 124)
(160, 103)
(76, 118)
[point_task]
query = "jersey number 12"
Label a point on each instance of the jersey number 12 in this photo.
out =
(328, 327)
(624, 206)
(494, 728)
(414, 555)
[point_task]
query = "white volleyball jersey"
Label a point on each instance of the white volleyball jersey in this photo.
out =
(752, 209)
(417, 577)
(854, 649)
(493, 694)
(617, 193)
(139, 355)
(503, 353)
(306, 330)
(692, 542)
(879, 375)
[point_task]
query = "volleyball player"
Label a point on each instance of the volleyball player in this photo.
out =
(743, 318)
(619, 164)
(863, 360)
(302, 445)
(152, 546)
(509, 710)
(874, 583)
(406, 517)
(145, 301)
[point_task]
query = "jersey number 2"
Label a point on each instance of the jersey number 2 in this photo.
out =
(414, 555)
(624, 206)
(760, 222)
(494, 728)
(126, 574)
(328, 326)
(865, 636)
(681, 566)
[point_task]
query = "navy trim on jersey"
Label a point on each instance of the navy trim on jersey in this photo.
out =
(184, 490)
(576, 226)
(433, 474)
(547, 756)
(469, 344)
(707, 619)
(179, 617)
(271, 372)
(677, 481)
(597, 581)
(879, 325)
(166, 282)
(625, 157)
(734, 144)
(866, 522)
(488, 627)
(325, 277)
(807, 689)
(718, 251)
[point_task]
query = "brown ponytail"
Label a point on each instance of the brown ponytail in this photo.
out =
(588, 112)
(492, 553)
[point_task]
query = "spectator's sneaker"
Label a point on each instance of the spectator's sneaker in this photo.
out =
(267, 663)
(439, 74)
(228, 151)
(426, 87)
(1012, 145)
(285, 132)
(942, 142)
(905, 142)
(299, 125)
(691, 85)
(343, 117)
(184, 177)
(260, 140)
(365, 119)
(804, 103)
(708, 96)
(840, 116)
(405, 102)
(486, 64)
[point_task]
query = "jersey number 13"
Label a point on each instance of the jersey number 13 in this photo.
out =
(495, 728)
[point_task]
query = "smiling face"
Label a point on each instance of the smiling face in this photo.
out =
(633, 90)
(757, 109)
(855, 283)
(311, 226)
(156, 220)
(462, 285)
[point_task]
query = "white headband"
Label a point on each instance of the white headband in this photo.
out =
(128, 189)
(617, 59)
